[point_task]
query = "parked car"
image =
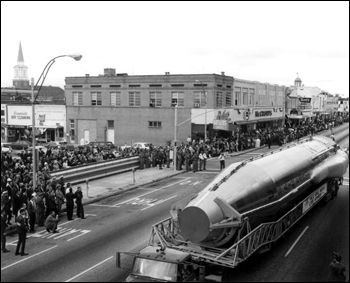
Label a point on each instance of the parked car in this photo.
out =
(101, 144)
(57, 144)
(19, 145)
(5, 147)
(141, 145)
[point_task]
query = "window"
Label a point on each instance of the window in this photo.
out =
(154, 124)
(155, 99)
(77, 98)
(114, 85)
(245, 96)
(95, 85)
(115, 99)
(219, 99)
(251, 96)
(77, 86)
(134, 98)
(110, 124)
(177, 85)
(96, 98)
(228, 99)
(134, 85)
(72, 129)
(237, 96)
(155, 85)
(177, 98)
(199, 98)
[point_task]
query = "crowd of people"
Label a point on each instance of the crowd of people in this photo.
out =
(50, 194)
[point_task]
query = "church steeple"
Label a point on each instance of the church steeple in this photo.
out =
(21, 71)
(20, 54)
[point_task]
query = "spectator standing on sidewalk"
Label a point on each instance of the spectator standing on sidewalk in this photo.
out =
(32, 212)
(70, 204)
(40, 208)
(22, 232)
(222, 160)
(79, 202)
(60, 199)
(3, 231)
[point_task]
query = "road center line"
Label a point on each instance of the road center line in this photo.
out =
(307, 227)
(27, 258)
(88, 269)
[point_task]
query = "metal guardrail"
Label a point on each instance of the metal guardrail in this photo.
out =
(90, 171)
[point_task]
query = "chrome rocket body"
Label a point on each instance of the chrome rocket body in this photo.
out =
(261, 189)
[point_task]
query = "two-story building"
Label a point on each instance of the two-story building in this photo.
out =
(125, 109)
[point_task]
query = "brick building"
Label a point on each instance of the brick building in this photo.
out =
(124, 109)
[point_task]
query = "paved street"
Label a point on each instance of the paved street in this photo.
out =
(84, 250)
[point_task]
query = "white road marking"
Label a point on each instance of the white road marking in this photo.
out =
(28, 257)
(83, 233)
(158, 202)
(297, 240)
(127, 201)
(89, 269)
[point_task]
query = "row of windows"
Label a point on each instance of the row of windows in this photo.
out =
(242, 96)
(151, 85)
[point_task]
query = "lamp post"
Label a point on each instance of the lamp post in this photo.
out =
(43, 75)
(205, 122)
(175, 137)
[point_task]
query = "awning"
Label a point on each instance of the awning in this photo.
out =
(270, 119)
(46, 126)
(308, 114)
(296, 116)
(245, 122)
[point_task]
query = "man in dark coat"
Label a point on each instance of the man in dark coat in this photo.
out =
(3, 231)
(22, 232)
(70, 204)
(79, 202)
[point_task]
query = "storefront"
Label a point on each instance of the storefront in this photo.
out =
(50, 123)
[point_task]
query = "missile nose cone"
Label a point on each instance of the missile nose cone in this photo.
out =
(194, 224)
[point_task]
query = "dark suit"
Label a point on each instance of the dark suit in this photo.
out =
(80, 208)
(22, 233)
(70, 205)
(3, 231)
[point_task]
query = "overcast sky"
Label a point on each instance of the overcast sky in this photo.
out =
(263, 41)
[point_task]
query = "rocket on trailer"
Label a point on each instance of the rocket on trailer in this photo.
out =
(262, 190)
(243, 211)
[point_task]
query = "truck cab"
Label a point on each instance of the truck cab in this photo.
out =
(154, 264)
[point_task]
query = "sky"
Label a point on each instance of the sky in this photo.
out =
(261, 41)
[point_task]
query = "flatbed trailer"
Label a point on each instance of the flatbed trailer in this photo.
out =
(199, 259)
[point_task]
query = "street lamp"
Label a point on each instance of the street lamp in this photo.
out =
(205, 126)
(43, 75)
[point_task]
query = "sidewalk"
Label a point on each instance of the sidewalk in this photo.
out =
(100, 189)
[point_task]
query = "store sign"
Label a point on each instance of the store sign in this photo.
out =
(221, 125)
(20, 115)
(305, 99)
(263, 113)
(42, 118)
